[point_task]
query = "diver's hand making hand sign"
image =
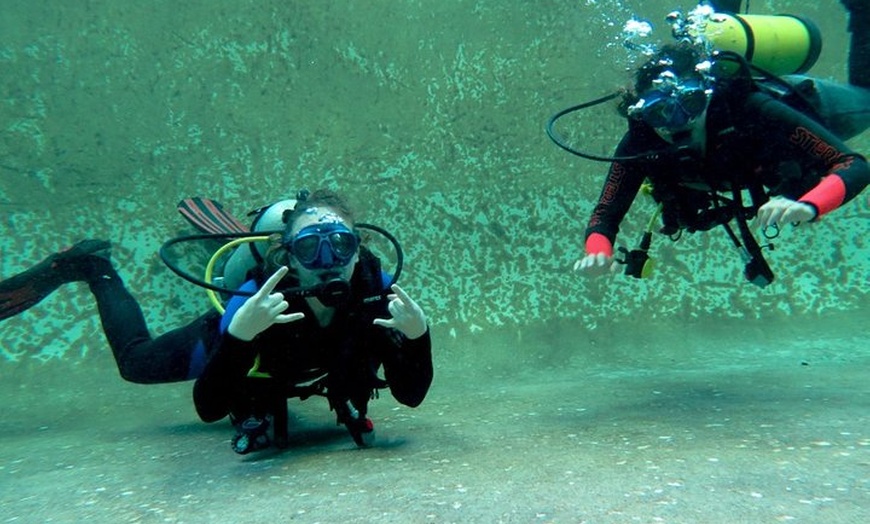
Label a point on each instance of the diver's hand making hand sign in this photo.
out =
(408, 317)
(261, 310)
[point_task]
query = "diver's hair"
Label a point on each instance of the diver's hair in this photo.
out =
(680, 58)
(277, 255)
(319, 198)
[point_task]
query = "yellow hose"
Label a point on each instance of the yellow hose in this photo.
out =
(209, 268)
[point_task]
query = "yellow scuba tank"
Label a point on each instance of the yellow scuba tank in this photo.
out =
(779, 44)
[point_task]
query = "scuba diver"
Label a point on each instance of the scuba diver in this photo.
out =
(348, 317)
(705, 126)
(276, 346)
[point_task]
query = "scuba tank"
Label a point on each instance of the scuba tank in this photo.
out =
(779, 44)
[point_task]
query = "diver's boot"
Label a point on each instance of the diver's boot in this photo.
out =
(360, 427)
(85, 261)
(252, 434)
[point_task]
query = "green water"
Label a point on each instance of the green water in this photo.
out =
(692, 397)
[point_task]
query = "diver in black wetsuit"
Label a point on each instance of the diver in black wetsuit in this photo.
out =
(341, 346)
(322, 343)
(714, 135)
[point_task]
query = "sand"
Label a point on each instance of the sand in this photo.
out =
(743, 423)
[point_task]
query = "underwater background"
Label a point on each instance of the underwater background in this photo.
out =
(691, 396)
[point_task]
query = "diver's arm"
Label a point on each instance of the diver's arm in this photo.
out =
(846, 172)
(844, 181)
(623, 182)
(617, 195)
(620, 187)
(612, 206)
(236, 352)
(408, 367)
(406, 348)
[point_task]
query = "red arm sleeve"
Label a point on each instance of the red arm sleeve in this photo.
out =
(827, 196)
(598, 243)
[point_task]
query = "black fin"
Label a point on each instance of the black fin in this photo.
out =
(26, 289)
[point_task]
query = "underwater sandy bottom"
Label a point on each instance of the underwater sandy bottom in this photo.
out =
(739, 424)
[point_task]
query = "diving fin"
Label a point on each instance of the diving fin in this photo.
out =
(28, 288)
(209, 216)
(18, 296)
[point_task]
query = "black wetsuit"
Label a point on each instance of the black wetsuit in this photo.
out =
(175, 356)
(347, 352)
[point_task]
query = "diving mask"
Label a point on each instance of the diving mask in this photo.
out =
(672, 105)
(323, 246)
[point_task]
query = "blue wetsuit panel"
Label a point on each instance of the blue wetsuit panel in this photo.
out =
(197, 361)
(235, 303)
(199, 355)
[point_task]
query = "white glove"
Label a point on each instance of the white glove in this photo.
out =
(408, 317)
(262, 310)
(597, 264)
(781, 211)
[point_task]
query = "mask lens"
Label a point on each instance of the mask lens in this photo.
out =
(306, 248)
(343, 245)
(693, 102)
(660, 112)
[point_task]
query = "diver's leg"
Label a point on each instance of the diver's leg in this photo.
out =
(859, 50)
(175, 356)
(726, 6)
(172, 357)
(844, 108)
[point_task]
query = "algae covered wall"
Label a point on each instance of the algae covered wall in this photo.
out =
(429, 115)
